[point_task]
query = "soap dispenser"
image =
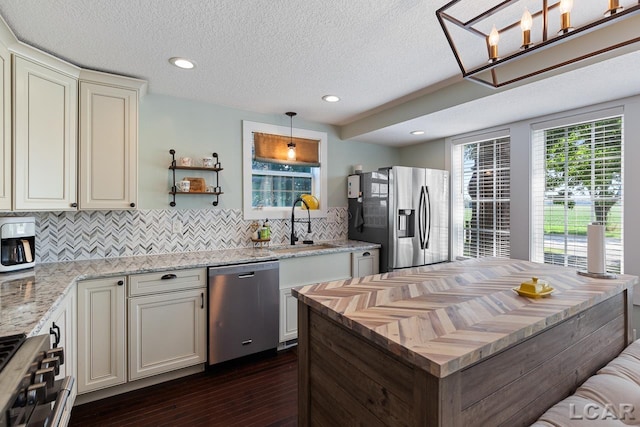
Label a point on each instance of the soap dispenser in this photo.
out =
(267, 227)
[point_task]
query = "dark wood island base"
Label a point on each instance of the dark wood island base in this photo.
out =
(355, 371)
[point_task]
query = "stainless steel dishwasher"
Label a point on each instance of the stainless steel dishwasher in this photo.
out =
(243, 310)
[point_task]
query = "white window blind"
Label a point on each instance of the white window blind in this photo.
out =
(578, 180)
(481, 210)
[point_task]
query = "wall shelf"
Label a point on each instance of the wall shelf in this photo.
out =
(174, 167)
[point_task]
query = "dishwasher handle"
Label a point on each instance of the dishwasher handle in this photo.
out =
(246, 275)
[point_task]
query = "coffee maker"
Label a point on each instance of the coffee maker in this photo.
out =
(17, 243)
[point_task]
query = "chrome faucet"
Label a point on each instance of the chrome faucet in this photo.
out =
(293, 220)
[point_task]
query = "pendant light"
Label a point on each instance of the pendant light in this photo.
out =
(291, 146)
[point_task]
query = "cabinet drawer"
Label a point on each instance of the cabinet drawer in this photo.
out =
(167, 281)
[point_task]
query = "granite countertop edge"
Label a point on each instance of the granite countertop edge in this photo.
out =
(29, 298)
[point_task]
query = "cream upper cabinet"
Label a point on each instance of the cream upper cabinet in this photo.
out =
(5, 129)
(108, 146)
(45, 137)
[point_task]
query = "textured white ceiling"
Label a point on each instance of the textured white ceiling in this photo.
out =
(272, 56)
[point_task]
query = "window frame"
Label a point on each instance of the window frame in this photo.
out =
(457, 185)
(319, 183)
(538, 176)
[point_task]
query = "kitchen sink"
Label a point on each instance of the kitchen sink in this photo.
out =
(303, 248)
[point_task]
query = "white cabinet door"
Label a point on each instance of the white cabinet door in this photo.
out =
(167, 332)
(61, 327)
(108, 147)
(365, 263)
(45, 137)
(288, 315)
(5, 129)
(101, 333)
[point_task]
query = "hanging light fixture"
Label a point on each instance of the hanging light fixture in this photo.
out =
(536, 37)
(291, 146)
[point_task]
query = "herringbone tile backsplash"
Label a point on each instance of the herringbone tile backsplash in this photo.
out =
(83, 235)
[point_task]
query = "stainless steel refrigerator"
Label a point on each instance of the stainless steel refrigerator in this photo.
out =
(404, 209)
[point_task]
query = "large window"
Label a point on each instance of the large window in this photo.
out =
(578, 180)
(271, 181)
(481, 199)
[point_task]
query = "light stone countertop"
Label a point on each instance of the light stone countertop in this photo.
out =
(29, 297)
(445, 317)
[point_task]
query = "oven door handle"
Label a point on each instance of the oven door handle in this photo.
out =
(61, 401)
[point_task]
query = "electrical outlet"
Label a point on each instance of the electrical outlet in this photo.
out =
(176, 226)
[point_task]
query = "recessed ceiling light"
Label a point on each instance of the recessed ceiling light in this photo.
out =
(331, 98)
(182, 63)
(417, 132)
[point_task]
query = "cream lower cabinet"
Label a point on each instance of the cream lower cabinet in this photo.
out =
(61, 327)
(365, 263)
(166, 332)
(160, 327)
(305, 270)
(288, 316)
(108, 177)
(45, 137)
(101, 333)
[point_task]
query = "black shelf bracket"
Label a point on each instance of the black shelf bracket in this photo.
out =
(217, 168)
(174, 190)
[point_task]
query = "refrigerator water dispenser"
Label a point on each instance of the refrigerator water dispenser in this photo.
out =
(406, 221)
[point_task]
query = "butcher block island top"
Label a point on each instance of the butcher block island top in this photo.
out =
(452, 329)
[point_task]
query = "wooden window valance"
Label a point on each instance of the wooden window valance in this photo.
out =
(273, 149)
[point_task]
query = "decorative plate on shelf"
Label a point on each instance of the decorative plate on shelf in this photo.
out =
(197, 185)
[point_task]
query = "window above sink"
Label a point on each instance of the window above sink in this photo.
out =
(271, 185)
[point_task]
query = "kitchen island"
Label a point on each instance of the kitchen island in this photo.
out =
(453, 344)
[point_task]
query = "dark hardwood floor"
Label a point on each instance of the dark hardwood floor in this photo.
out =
(254, 391)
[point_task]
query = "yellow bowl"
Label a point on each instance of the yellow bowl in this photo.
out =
(310, 200)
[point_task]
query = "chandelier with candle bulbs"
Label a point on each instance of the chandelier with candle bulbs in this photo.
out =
(497, 43)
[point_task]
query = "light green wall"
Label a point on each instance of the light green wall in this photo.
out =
(196, 129)
(426, 155)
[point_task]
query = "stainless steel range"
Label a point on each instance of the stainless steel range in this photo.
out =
(29, 393)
